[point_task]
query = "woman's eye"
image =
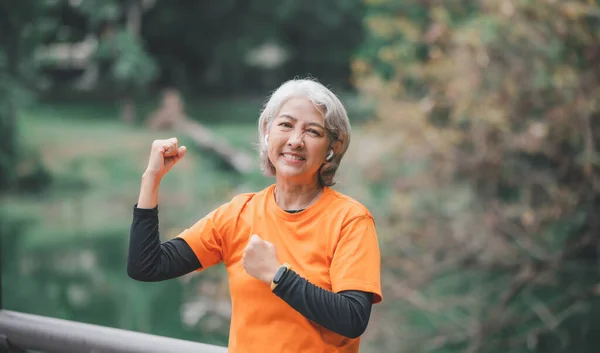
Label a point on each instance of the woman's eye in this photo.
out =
(314, 132)
(284, 124)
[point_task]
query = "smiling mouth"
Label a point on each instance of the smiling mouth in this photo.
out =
(292, 157)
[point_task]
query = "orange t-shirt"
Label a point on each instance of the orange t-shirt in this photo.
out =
(333, 244)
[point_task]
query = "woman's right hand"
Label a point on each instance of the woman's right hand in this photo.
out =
(163, 156)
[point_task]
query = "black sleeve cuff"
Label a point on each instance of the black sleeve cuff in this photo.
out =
(145, 211)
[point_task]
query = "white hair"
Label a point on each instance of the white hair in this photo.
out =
(335, 116)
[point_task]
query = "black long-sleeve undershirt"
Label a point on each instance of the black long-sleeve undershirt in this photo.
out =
(346, 313)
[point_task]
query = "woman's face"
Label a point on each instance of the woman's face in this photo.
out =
(298, 141)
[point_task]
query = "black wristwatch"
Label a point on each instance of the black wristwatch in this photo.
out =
(279, 275)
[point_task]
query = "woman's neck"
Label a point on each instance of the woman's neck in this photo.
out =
(296, 197)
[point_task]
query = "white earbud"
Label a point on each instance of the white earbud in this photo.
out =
(266, 139)
(329, 155)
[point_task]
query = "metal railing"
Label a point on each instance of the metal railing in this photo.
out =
(20, 331)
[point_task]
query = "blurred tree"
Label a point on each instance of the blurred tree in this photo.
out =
(209, 46)
(72, 272)
(321, 37)
(225, 47)
(20, 34)
(489, 121)
(75, 276)
(129, 68)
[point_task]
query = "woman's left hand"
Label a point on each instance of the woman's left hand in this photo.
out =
(260, 259)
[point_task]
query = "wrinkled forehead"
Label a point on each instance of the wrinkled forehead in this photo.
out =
(301, 110)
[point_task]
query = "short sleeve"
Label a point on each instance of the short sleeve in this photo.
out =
(356, 260)
(206, 237)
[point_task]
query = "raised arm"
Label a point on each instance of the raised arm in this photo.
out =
(149, 260)
(164, 154)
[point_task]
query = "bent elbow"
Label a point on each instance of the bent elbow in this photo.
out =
(133, 273)
(136, 274)
(354, 331)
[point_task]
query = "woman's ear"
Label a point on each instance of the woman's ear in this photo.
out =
(329, 155)
(265, 134)
(337, 147)
(334, 149)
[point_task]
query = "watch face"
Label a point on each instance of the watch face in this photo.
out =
(279, 274)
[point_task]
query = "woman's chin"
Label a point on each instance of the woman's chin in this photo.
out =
(286, 170)
(292, 172)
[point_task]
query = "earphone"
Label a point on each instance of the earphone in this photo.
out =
(328, 158)
(329, 155)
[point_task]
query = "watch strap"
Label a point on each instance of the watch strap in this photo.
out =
(283, 270)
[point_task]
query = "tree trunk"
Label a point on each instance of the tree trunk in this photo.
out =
(8, 116)
(8, 143)
(128, 114)
(134, 17)
(237, 160)
(134, 24)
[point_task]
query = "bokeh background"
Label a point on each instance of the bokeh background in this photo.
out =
(476, 127)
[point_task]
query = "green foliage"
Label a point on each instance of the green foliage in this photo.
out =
(497, 102)
(20, 34)
(8, 154)
(99, 12)
(209, 51)
(131, 68)
(223, 47)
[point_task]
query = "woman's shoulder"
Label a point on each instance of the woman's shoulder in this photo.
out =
(343, 202)
(235, 205)
(242, 198)
(245, 196)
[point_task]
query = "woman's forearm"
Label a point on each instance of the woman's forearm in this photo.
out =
(346, 313)
(149, 187)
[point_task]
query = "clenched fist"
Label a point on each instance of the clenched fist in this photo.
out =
(163, 156)
(260, 259)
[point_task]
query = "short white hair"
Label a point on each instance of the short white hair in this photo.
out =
(335, 117)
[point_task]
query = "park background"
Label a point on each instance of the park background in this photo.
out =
(476, 127)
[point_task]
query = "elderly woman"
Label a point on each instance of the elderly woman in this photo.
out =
(302, 259)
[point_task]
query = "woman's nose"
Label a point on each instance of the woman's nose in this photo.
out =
(296, 140)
